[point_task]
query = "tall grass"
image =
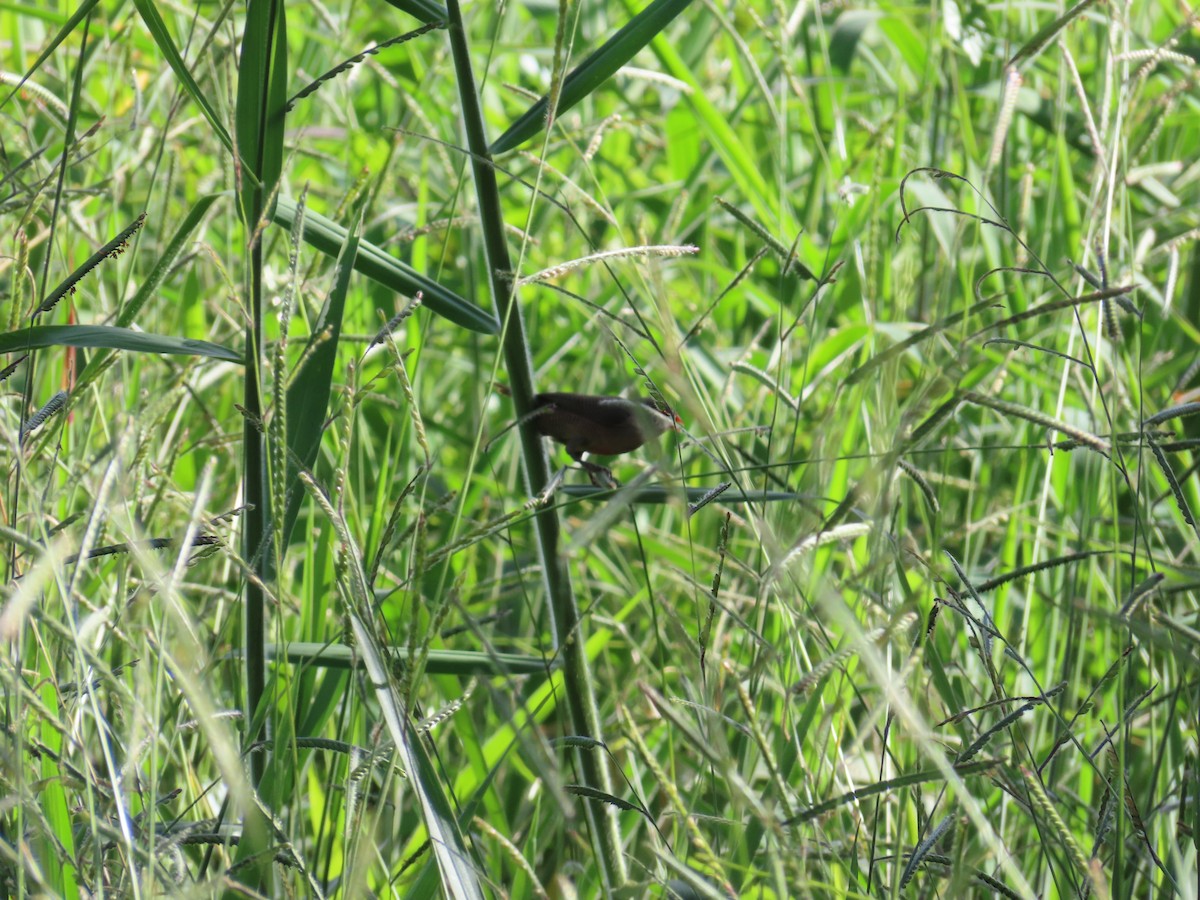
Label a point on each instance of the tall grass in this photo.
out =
(910, 608)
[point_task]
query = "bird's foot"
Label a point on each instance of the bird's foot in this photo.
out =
(600, 476)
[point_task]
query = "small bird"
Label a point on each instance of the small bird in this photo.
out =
(600, 426)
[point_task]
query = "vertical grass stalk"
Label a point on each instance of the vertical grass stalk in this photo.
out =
(259, 119)
(568, 628)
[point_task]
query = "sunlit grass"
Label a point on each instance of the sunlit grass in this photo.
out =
(937, 633)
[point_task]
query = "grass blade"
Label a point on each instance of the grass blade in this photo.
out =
(112, 338)
(308, 395)
(595, 70)
(329, 237)
(166, 44)
(423, 10)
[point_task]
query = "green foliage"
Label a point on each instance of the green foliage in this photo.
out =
(907, 609)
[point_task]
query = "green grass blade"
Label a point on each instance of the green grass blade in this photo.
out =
(595, 70)
(69, 26)
(166, 262)
(166, 44)
(439, 662)
(1039, 41)
(308, 395)
(259, 122)
(739, 158)
(129, 312)
(261, 100)
(459, 879)
(112, 338)
(656, 495)
(890, 784)
(423, 10)
(329, 237)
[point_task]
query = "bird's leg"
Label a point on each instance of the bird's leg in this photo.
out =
(600, 476)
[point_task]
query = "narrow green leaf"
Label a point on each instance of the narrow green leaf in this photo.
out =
(423, 10)
(901, 347)
(259, 121)
(439, 662)
(595, 70)
(459, 880)
(743, 165)
(174, 249)
(162, 37)
(329, 237)
(881, 787)
(308, 395)
(129, 312)
(658, 495)
(78, 16)
(1039, 41)
(261, 101)
(847, 32)
(112, 338)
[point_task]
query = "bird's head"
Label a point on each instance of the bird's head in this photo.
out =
(655, 417)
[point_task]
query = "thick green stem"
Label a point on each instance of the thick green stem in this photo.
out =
(568, 628)
(261, 95)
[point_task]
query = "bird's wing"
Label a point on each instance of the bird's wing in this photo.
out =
(607, 412)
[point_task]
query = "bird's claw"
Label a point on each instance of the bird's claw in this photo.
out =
(600, 476)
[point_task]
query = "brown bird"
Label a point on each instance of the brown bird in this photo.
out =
(600, 426)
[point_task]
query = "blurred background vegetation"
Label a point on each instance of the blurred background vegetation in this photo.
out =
(922, 281)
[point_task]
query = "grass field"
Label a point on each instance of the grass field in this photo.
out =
(909, 607)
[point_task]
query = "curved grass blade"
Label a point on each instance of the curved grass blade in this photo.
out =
(659, 495)
(129, 312)
(1039, 41)
(923, 849)
(901, 347)
(1053, 306)
(882, 787)
(985, 736)
(1140, 592)
(992, 583)
(1174, 412)
(1026, 345)
(162, 37)
(595, 70)
(112, 338)
(459, 879)
(1032, 415)
(85, 9)
(590, 793)
(786, 255)
(308, 394)
(422, 10)
(327, 236)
